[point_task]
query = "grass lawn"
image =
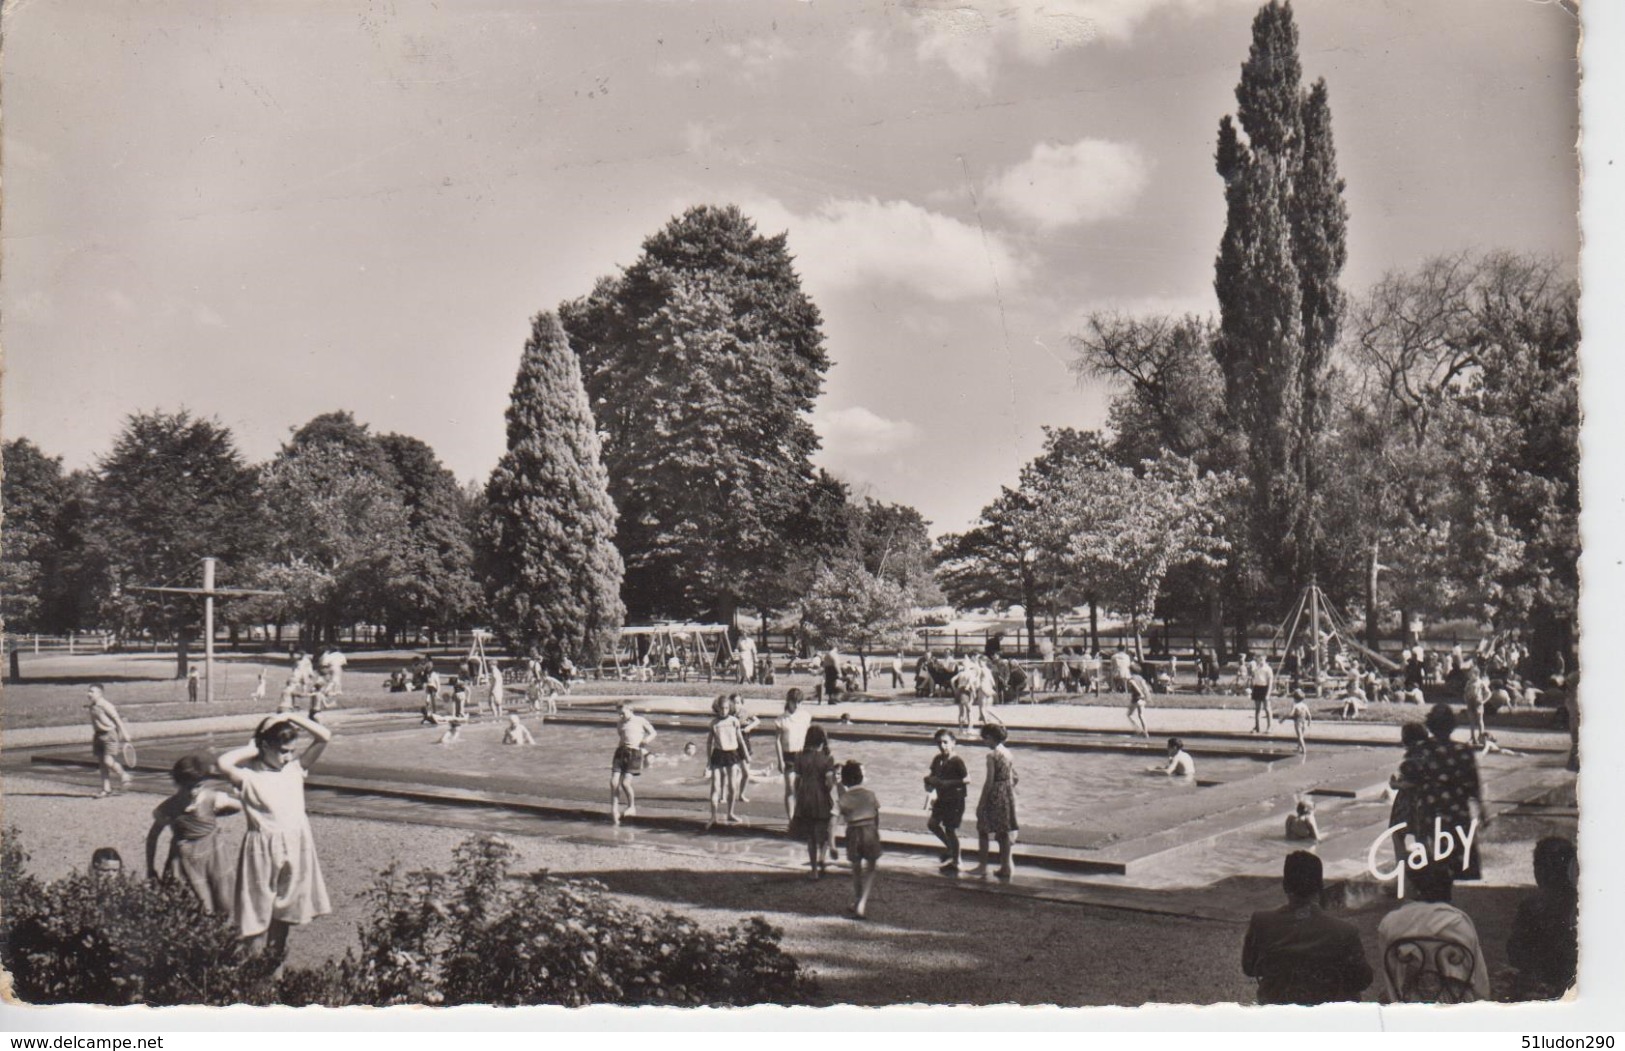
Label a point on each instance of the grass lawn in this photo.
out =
(143, 687)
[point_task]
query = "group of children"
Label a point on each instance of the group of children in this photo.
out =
(275, 880)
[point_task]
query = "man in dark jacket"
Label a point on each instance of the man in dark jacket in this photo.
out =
(1299, 954)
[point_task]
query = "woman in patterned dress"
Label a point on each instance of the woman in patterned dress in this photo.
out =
(1450, 794)
(996, 812)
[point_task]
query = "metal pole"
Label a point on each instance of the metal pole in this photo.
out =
(208, 629)
(1314, 628)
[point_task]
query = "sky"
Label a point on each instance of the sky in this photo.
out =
(265, 212)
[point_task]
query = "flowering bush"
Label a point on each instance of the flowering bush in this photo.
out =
(478, 936)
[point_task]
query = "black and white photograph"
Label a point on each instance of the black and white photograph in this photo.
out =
(704, 503)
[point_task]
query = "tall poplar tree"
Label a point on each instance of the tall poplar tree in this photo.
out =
(1277, 282)
(553, 573)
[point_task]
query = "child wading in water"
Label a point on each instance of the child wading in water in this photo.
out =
(815, 777)
(1301, 824)
(1301, 718)
(1180, 763)
(946, 787)
(726, 753)
(198, 854)
(747, 722)
(860, 812)
(635, 734)
(516, 733)
(279, 880)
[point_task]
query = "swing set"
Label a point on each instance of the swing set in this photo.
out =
(670, 653)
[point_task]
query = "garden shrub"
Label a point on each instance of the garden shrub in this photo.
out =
(83, 939)
(478, 936)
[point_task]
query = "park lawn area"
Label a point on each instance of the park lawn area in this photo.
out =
(143, 687)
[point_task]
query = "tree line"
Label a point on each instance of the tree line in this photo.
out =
(658, 465)
(1414, 450)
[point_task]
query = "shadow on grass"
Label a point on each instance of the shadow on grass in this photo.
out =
(931, 942)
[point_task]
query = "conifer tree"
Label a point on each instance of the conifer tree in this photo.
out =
(1276, 278)
(552, 570)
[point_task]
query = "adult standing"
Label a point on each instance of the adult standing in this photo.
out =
(496, 696)
(333, 662)
(789, 737)
(304, 674)
(986, 688)
(1476, 693)
(1450, 797)
(1260, 680)
(1299, 954)
(108, 737)
(1121, 665)
(832, 675)
(747, 657)
(966, 679)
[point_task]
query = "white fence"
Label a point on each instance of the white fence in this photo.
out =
(90, 642)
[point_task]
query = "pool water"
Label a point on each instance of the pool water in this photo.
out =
(1056, 788)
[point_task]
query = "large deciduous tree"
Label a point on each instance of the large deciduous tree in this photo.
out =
(554, 575)
(1019, 550)
(1127, 529)
(893, 541)
(435, 586)
(701, 362)
(339, 540)
(173, 490)
(1277, 282)
(1461, 439)
(850, 605)
(42, 555)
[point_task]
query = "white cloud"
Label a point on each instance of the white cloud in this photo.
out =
(757, 56)
(864, 55)
(961, 38)
(206, 317)
(857, 432)
(968, 36)
(859, 243)
(1064, 185)
(679, 70)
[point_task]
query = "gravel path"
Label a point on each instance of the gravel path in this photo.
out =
(958, 946)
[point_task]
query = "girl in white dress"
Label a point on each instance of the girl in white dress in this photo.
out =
(279, 881)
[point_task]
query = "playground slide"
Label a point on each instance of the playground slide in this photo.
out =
(1385, 663)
